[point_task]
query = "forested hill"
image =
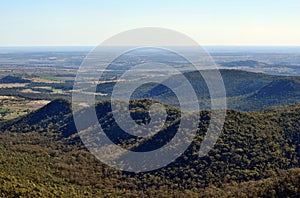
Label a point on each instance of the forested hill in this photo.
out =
(253, 146)
(246, 91)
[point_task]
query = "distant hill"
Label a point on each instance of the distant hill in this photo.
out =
(279, 68)
(280, 89)
(13, 79)
(246, 91)
(249, 63)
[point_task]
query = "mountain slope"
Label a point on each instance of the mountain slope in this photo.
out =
(41, 119)
(246, 91)
(252, 146)
(280, 89)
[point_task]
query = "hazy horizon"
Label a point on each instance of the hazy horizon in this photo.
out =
(210, 48)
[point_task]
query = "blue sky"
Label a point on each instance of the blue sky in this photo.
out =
(89, 22)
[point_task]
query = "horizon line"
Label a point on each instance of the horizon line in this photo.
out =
(229, 45)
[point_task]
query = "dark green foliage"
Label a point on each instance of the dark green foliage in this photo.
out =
(13, 79)
(280, 89)
(285, 184)
(245, 91)
(40, 120)
(247, 160)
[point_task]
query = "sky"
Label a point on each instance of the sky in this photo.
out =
(209, 22)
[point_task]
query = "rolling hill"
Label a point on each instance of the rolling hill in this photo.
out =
(13, 79)
(254, 147)
(246, 91)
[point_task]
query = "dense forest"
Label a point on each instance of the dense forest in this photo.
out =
(257, 155)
